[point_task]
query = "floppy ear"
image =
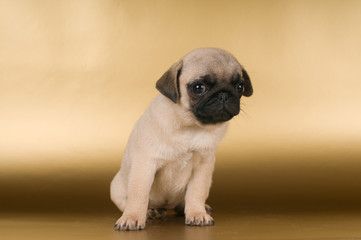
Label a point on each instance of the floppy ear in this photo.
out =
(248, 89)
(168, 84)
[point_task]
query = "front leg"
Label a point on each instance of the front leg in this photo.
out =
(140, 180)
(197, 192)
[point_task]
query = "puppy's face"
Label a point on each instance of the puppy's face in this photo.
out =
(213, 99)
(208, 82)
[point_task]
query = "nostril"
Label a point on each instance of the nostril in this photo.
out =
(223, 97)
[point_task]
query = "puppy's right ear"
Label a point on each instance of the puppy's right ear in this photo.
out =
(168, 84)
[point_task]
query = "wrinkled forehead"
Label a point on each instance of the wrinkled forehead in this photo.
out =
(220, 66)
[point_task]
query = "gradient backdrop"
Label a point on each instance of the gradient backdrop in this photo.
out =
(76, 75)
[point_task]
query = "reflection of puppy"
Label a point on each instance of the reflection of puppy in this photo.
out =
(170, 156)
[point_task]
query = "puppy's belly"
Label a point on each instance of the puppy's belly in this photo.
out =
(169, 186)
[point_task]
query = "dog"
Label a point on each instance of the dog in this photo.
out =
(170, 156)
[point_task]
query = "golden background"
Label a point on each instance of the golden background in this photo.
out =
(76, 75)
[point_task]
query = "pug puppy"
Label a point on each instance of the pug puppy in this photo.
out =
(170, 156)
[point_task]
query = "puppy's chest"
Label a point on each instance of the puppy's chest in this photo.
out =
(198, 140)
(188, 145)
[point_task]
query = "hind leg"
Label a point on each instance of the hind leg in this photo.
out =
(209, 209)
(156, 213)
(118, 191)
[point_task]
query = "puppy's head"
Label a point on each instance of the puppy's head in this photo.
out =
(209, 82)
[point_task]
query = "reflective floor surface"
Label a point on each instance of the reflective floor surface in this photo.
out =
(242, 225)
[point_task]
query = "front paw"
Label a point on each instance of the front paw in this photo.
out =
(199, 219)
(129, 222)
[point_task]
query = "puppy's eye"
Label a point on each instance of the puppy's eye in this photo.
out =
(240, 87)
(199, 88)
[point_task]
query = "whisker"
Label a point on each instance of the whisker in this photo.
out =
(243, 113)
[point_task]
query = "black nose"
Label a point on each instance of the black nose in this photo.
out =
(223, 97)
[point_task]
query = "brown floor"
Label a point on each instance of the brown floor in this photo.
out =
(262, 198)
(242, 225)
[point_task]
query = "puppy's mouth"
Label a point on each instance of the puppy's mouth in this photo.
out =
(215, 113)
(215, 118)
(219, 107)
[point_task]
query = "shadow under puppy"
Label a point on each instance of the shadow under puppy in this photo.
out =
(170, 156)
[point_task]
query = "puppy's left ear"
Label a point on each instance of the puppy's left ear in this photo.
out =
(168, 84)
(248, 89)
